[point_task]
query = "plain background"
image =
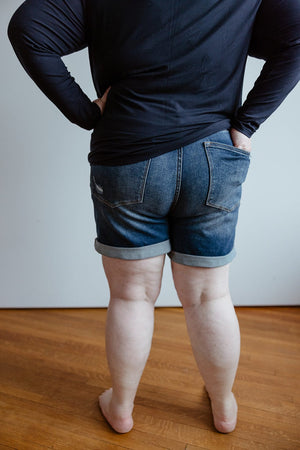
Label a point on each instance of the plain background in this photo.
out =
(47, 226)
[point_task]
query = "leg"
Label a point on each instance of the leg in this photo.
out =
(134, 288)
(214, 333)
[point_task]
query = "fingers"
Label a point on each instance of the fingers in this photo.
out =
(104, 96)
(101, 102)
(240, 140)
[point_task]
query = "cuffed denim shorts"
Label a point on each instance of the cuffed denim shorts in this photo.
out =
(184, 203)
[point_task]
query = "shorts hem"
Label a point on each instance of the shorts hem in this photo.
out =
(131, 253)
(202, 261)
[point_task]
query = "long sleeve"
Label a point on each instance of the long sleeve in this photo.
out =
(276, 39)
(41, 32)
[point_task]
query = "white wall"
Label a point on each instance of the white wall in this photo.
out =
(47, 226)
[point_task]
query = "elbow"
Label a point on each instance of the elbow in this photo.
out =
(15, 29)
(11, 30)
(19, 25)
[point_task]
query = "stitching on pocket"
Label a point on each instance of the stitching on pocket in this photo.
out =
(139, 198)
(217, 197)
(241, 151)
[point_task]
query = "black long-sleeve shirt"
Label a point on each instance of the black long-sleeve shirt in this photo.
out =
(176, 67)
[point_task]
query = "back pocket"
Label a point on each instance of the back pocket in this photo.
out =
(228, 168)
(119, 185)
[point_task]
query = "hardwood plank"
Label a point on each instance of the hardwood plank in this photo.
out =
(7, 447)
(195, 410)
(53, 367)
(212, 440)
(194, 447)
(25, 445)
(40, 424)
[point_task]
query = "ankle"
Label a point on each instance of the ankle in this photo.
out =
(121, 405)
(221, 399)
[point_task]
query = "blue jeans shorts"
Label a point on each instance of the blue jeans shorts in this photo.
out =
(184, 203)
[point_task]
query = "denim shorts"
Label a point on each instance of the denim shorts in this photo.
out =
(184, 203)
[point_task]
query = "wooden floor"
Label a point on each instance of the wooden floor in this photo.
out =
(53, 367)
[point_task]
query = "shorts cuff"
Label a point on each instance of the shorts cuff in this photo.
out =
(202, 261)
(147, 251)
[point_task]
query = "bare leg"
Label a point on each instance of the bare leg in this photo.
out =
(214, 333)
(134, 288)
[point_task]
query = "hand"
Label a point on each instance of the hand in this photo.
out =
(101, 102)
(240, 140)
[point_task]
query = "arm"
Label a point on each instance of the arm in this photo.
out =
(276, 38)
(41, 32)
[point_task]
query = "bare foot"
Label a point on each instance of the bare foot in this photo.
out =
(225, 414)
(118, 418)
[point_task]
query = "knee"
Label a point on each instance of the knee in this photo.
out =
(196, 285)
(136, 292)
(134, 280)
(188, 299)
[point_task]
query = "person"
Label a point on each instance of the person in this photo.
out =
(170, 150)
